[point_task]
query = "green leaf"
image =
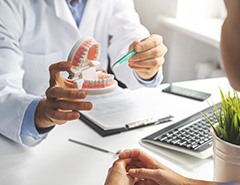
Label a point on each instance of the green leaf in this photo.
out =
(228, 117)
(222, 133)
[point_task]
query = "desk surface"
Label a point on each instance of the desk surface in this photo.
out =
(58, 162)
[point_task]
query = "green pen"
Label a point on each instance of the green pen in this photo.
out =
(124, 59)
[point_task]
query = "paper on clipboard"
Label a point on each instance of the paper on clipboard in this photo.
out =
(122, 108)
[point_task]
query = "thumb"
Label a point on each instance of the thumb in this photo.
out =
(143, 173)
(133, 45)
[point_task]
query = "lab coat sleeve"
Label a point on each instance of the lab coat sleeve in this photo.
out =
(125, 27)
(29, 134)
(14, 100)
(150, 83)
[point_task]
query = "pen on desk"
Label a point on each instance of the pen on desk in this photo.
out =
(148, 121)
(94, 147)
(124, 59)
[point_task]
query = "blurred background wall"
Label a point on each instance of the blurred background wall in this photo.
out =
(191, 31)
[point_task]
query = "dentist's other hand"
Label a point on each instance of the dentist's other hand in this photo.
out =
(149, 57)
(62, 101)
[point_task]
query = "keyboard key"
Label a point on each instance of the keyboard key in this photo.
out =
(191, 135)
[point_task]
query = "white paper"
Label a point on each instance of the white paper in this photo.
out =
(121, 107)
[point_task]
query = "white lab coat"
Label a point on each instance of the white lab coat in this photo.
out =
(37, 33)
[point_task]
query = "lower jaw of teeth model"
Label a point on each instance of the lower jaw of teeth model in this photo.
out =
(84, 72)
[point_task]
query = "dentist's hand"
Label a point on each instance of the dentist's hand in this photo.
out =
(62, 99)
(149, 57)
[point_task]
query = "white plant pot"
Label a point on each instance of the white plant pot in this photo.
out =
(226, 158)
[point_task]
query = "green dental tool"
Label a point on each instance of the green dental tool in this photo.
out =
(124, 59)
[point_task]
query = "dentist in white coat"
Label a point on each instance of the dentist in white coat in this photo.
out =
(37, 34)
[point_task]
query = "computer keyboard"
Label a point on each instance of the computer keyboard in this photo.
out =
(191, 135)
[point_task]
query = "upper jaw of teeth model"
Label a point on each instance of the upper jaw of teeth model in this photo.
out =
(84, 72)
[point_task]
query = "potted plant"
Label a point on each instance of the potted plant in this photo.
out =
(226, 138)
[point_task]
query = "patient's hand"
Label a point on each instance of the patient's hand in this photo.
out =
(117, 174)
(151, 172)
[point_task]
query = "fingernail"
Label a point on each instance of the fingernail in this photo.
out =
(131, 172)
(81, 94)
(88, 106)
(138, 48)
(75, 114)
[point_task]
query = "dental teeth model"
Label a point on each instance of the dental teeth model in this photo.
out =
(84, 58)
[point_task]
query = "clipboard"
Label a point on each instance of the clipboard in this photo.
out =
(124, 109)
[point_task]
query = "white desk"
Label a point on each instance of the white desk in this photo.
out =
(58, 162)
